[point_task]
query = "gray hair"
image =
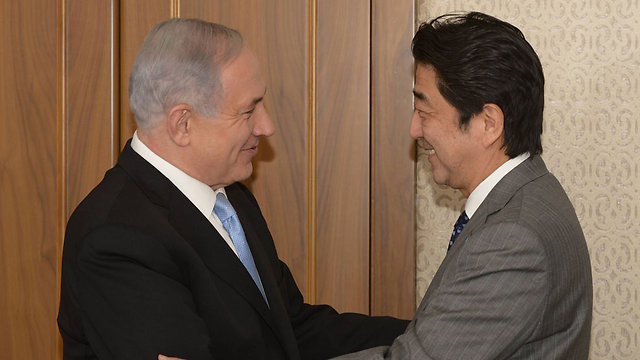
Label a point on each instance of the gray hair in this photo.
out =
(180, 62)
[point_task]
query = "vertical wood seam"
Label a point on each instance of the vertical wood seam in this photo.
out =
(414, 21)
(175, 8)
(61, 156)
(371, 154)
(116, 91)
(311, 151)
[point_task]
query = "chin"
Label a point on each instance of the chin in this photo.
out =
(439, 179)
(244, 173)
(439, 182)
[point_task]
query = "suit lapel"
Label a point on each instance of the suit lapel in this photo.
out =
(527, 171)
(248, 219)
(497, 199)
(194, 228)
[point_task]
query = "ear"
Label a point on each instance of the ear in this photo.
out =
(178, 122)
(492, 121)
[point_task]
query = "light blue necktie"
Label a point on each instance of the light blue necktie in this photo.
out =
(227, 215)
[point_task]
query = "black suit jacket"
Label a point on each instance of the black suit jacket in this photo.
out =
(144, 273)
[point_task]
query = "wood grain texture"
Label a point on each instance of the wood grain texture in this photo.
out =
(276, 32)
(63, 123)
(137, 17)
(312, 193)
(28, 173)
(343, 132)
(393, 165)
(92, 95)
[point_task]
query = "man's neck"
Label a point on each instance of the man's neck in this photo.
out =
(483, 189)
(486, 168)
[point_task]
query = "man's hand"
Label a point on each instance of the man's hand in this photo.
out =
(162, 357)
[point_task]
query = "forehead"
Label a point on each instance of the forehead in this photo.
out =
(425, 88)
(242, 79)
(425, 78)
(244, 67)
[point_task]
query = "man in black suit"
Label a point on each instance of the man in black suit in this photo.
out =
(169, 254)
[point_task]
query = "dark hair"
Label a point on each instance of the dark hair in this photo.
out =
(478, 60)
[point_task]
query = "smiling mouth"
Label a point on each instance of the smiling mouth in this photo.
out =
(252, 148)
(426, 147)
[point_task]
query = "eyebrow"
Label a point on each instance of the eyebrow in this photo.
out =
(420, 96)
(258, 99)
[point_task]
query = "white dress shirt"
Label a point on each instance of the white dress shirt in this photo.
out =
(481, 191)
(201, 195)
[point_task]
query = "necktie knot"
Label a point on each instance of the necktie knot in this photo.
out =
(223, 208)
(458, 227)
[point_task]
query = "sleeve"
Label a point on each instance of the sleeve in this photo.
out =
(134, 305)
(321, 332)
(489, 302)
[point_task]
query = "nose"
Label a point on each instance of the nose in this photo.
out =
(415, 128)
(263, 125)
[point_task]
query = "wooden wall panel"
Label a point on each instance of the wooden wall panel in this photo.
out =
(277, 32)
(393, 236)
(343, 39)
(28, 180)
(334, 182)
(91, 95)
(137, 17)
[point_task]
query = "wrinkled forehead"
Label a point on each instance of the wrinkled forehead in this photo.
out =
(242, 79)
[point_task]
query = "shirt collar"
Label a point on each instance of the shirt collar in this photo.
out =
(481, 191)
(199, 193)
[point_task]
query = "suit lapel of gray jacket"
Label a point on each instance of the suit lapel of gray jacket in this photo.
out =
(505, 189)
(498, 197)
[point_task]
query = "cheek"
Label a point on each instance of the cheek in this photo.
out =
(240, 137)
(434, 131)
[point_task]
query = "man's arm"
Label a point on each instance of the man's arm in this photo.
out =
(488, 302)
(132, 300)
(321, 332)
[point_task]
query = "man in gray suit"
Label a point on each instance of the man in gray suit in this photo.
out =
(516, 281)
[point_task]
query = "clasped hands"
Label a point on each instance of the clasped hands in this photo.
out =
(162, 357)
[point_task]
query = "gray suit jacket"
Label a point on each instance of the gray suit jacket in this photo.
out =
(515, 285)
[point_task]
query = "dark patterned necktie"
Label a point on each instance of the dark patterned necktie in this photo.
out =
(457, 228)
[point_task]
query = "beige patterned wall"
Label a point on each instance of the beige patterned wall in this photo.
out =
(590, 51)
